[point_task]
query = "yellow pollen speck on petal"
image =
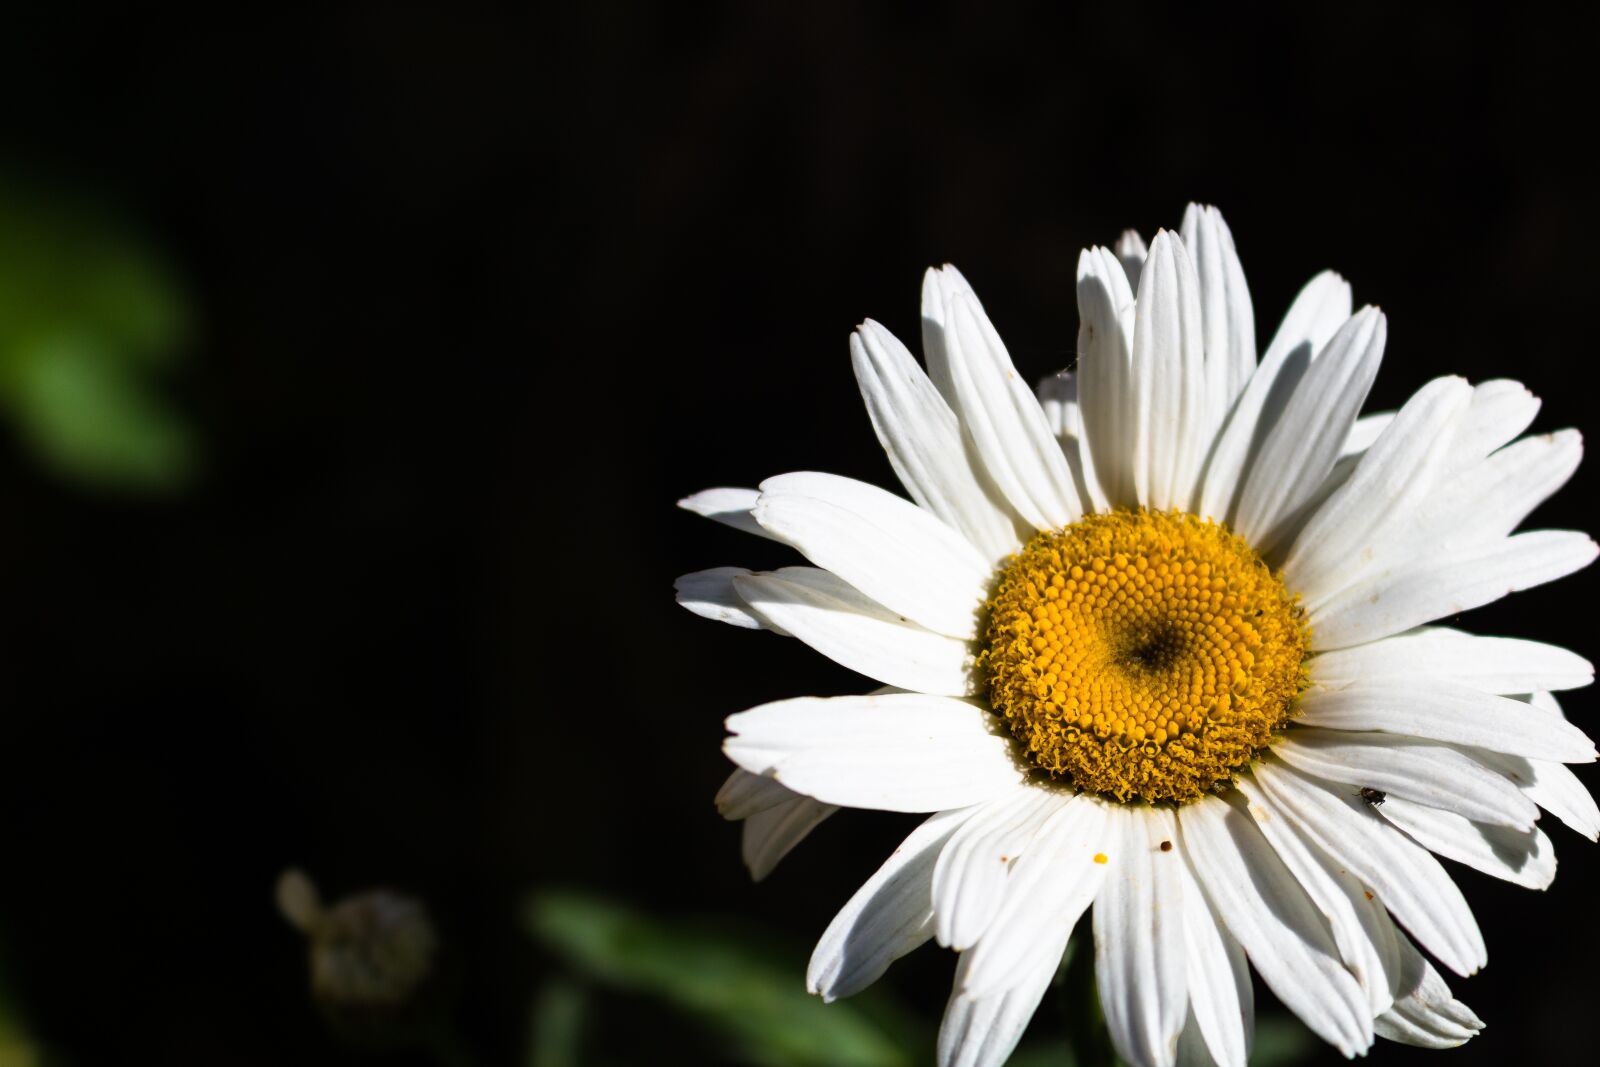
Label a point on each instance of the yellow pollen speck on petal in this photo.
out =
(1139, 654)
(1100, 857)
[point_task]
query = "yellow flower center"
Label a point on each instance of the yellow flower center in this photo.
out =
(1143, 654)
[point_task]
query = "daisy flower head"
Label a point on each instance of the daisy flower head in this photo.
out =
(1157, 644)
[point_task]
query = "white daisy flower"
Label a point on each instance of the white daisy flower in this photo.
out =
(1157, 642)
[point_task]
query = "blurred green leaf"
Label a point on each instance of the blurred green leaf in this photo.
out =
(1280, 1041)
(558, 1015)
(721, 977)
(88, 316)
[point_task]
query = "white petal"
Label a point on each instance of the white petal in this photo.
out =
(1300, 450)
(922, 437)
(1500, 411)
(885, 546)
(1405, 877)
(1225, 311)
(1424, 1012)
(1050, 887)
(1192, 1048)
(889, 915)
(710, 595)
(1167, 368)
(1490, 664)
(731, 507)
(983, 1031)
(767, 836)
(1384, 490)
(1550, 785)
(1131, 254)
(1105, 334)
(1319, 310)
(1450, 582)
(744, 794)
(1423, 771)
(1361, 928)
(1058, 397)
(971, 875)
(1437, 710)
(1368, 429)
(1265, 909)
(1139, 939)
(1525, 858)
(898, 752)
(1004, 418)
(1476, 507)
(820, 609)
(1221, 1000)
(1491, 498)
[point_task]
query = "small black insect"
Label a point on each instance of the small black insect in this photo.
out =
(1372, 796)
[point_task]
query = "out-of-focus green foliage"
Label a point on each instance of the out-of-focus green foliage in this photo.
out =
(726, 979)
(17, 1049)
(89, 317)
(557, 1032)
(1280, 1041)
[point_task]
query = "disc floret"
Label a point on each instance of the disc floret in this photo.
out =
(1143, 654)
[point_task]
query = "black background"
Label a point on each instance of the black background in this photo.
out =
(481, 295)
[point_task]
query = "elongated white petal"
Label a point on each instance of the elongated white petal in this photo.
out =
(1478, 506)
(898, 752)
(1265, 909)
(1360, 928)
(1051, 886)
(1490, 499)
(891, 914)
(744, 794)
(1105, 396)
(1131, 253)
(1005, 420)
(1390, 480)
(1221, 999)
(768, 836)
(1167, 369)
(1317, 312)
(729, 506)
(1139, 940)
(922, 436)
(1424, 771)
(971, 875)
(1447, 583)
(1489, 664)
(1058, 396)
(888, 548)
(1365, 432)
(983, 1031)
(1501, 410)
(1404, 876)
(1300, 450)
(1550, 785)
(1523, 857)
(1425, 1013)
(820, 609)
(1226, 315)
(1444, 711)
(710, 595)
